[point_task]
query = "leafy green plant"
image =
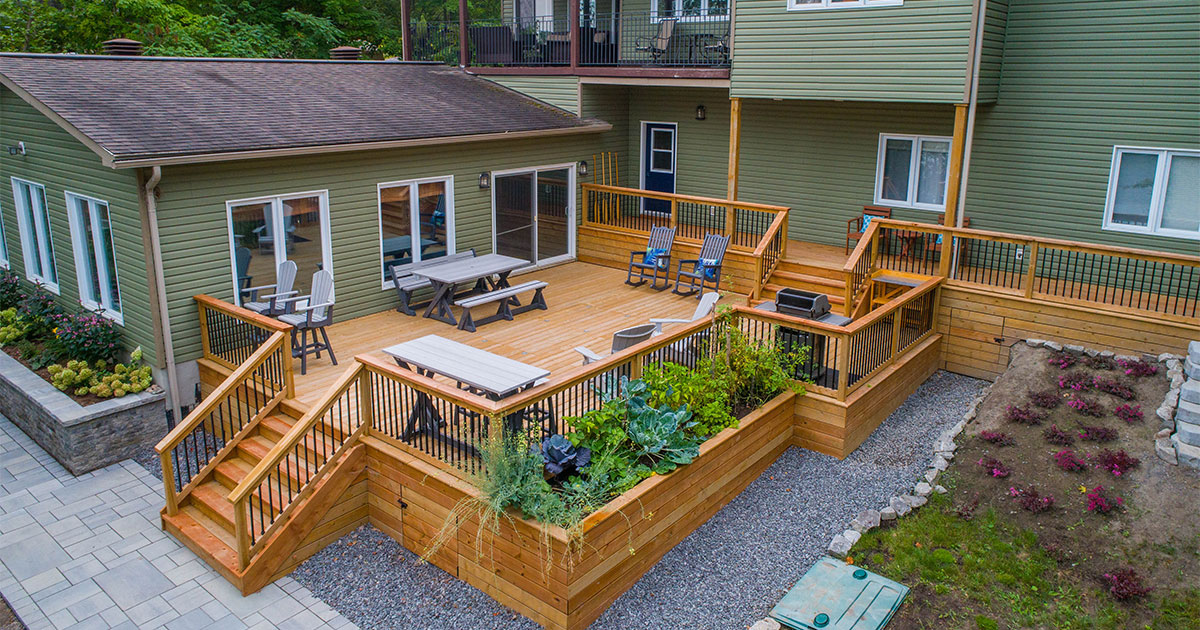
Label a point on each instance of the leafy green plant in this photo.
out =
(753, 371)
(87, 336)
(11, 293)
(82, 378)
(674, 385)
(661, 434)
(12, 329)
(38, 311)
(559, 455)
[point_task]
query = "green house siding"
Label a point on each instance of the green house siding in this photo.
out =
(559, 91)
(195, 231)
(992, 59)
(62, 164)
(915, 52)
(819, 158)
(702, 146)
(610, 103)
(1080, 77)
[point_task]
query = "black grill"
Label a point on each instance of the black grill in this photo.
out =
(804, 304)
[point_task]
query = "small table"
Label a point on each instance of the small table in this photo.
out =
(447, 277)
(909, 238)
(490, 374)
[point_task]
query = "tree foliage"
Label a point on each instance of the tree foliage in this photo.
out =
(219, 28)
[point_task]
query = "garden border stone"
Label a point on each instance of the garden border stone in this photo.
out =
(80, 438)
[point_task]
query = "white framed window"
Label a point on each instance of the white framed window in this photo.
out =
(911, 172)
(33, 223)
(810, 5)
(416, 221)
(266, 231)
(1154, 191)
(95, 256)
(684, 9)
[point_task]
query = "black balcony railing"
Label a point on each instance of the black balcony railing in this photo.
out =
(634, 39)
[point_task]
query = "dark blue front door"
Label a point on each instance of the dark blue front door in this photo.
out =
(658, 163)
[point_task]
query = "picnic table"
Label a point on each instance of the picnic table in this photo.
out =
(446, 278)
(477, 371)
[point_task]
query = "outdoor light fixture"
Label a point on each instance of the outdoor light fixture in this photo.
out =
(583, 168)
(485, 180)
(701, 112)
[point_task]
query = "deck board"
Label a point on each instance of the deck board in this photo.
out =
(587, 304)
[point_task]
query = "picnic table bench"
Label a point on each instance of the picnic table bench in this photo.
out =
(406, 282)
(505, 297)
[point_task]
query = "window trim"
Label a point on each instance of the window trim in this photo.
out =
(83, 277)
(4, 260)
(677, 12)
(914, 174)
(1153, 225)
(23, 230)
(414, 193)
(827, 5)
(276, 202)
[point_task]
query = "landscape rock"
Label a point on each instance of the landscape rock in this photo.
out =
(931, 475)
(940, 489)
(1177, 381)
(766, 624)
(1035, 343)
(1173, 396)
(1074, 349)
(1166, 451)
(1053, 345)
(922, 489)
(869, 517)
(1162, 433)
(1188, 412)
(1091, 352)
(1107, 354)
(1188, 455)
(839, 546)
(1188, 433)
(1125, 357)
(940, 463)
(1175, 363)
(1165, 413)
(1149, 358)
(1167, 356)
(917, 501)
(1192, 368)
(887, 514)
(900, 506)
(1190, 392)
(852, 536)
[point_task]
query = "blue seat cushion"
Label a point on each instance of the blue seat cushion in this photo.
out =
(708, 266)
(866, 221)
(655, 256)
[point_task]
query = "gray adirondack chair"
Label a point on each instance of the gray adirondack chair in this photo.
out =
(269, 303)
(312, 312)
(662, 239)
(706, 268)
(241, 265)
(708, 302)
(621, 340)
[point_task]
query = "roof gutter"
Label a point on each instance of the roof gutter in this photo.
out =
(160, 287)
(972, 104)
(135, 162)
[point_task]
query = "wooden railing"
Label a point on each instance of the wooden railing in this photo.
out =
(1117, 279)
(290, 471)
(259, 381)
(753, 229)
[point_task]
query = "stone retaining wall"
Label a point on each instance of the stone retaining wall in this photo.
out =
(81, 438)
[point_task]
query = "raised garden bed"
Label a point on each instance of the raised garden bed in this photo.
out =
(538, 570)
(1082, 547)
(80, 438)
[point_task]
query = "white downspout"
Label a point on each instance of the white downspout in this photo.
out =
(164, 315)
(972, 103)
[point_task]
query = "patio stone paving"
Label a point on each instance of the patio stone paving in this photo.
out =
(88, 552)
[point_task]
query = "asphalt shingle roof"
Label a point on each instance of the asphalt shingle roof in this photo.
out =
(153, 108)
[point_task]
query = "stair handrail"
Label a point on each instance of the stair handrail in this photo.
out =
(774, 239)
(859, 265)
(249, 379)
(249, 540)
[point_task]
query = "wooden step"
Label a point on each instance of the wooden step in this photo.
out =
(788, 278)
(211, 498)
(206, 539)
(798, 265)
(232, 470)
(274, 427)
(256, 448)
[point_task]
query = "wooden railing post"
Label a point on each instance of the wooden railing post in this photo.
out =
(848, 305)
(674, 214)
(168, 470)
(366, 401)
(731, 222)
(1031, 269)
(897, 320)
(635, 366)
(205, 347)
(843, 365)
(948, 250)
(587, 204)
(241, 532)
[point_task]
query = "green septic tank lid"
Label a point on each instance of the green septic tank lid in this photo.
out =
(834, 595)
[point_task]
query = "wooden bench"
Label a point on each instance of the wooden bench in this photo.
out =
(405, 282)
(504, 296)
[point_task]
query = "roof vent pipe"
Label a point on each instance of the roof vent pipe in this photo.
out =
(345, 53)
(123, 47)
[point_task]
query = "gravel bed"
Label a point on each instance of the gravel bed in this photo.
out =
(726, 574)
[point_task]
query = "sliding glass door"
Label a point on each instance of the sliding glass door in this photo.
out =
(416, 221)
(267, 231)
(534, 214)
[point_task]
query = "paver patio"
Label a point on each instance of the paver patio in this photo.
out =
(87, 552)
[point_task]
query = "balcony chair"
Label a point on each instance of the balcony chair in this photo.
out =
(856, 227)
(705, 268)
(269, 303)
(708, 302)
(241, 266)
(658, 44)
(311, 312)
(717, 48)
(621, 340)
(655, 258)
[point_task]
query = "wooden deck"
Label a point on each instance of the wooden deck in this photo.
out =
(587, 304)
(816, 254)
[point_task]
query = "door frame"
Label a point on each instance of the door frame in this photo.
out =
(572, 225)
(642, 159)
(276, 203)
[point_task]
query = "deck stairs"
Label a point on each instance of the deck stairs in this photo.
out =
(795, 273)
(205, 520)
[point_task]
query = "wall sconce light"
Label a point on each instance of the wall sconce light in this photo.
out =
(17, 150)
(583, 168)
(701, 112)
(485, 180)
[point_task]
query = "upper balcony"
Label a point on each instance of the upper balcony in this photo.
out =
(693, 43)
